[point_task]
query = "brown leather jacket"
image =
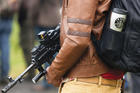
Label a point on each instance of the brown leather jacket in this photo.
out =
(77, 56)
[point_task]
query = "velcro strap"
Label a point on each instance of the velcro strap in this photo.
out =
(79, 21)
(78, 33)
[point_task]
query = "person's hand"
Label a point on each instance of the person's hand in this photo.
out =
(12, 4)
(52, 80)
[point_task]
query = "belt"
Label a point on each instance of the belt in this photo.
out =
(97, 80)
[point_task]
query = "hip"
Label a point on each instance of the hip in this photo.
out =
(90, 85)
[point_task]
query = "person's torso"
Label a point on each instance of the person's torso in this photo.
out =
(130, 53)
(132, 35)
(89, 64)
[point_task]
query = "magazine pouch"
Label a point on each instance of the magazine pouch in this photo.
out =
(111, 43)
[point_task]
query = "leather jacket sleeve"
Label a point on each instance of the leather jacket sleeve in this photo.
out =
(80, 18)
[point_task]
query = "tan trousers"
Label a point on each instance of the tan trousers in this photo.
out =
(91, 85)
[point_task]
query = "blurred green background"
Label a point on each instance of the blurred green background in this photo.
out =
(17, 62)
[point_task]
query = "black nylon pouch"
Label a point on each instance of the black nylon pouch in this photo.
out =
(111, 43)
(121, 50)
(110, 46)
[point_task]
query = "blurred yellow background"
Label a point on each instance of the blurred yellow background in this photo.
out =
(17, 63)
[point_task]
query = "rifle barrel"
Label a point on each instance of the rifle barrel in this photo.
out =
(13, 83)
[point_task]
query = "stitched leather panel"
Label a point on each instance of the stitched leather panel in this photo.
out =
(78, 33)
(79, 21)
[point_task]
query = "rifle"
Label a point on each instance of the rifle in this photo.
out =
(49, 45)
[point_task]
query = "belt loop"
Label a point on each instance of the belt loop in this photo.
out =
(118, 83)
(99, 81)
(60, 87)
(76, 79)
(121, 81)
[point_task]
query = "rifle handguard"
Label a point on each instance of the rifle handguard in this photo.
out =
(38, 76)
